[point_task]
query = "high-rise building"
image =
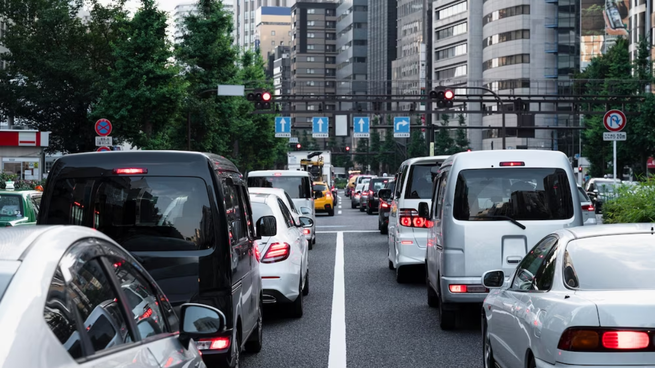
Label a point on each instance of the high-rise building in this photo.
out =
(313, 60)
(245, 19)
(408, 76)
(280, 66)
(352, 44)
(272, 28)
(381, 46)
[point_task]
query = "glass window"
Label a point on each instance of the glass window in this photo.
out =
(451, 52)
(443, 181)
(419, 185)
(520, 193)
(506, 36)
(531, 263)
(617, 262)
(505, 13)
(235, 214)
(273, 33)
(285, 213)
(454, 72)
(320, 187)
(61, 318)
(11, 207)
(290, 201)
(583, 195)
(296, 186)
(140, 213)
(451, 10)
(451, 31)
(506, 60)
(377, 184)
(36, 200)
(546, 274)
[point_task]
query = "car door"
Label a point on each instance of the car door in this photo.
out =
(253, 262)
(506, 329)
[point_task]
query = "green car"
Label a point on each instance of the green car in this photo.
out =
(19, 207)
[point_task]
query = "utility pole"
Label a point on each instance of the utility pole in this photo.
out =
(427, 28)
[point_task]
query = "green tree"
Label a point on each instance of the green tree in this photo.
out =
(376, 146)
(362, 147)
(461, 139)
(145, 91)
(417, 145)
(443, 142)
(57, 66)
(390, 158)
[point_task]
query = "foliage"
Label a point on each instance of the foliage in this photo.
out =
(340, 183)
(443, 142)
(376, 146)
(631, 204)
(417, 145)
(364, 160)
(57, 66)
(461, 139)
(390, 161)
(19, 184)
(144, 93)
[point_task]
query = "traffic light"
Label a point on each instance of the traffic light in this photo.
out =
(579, 168)
(519, 105)
(443, 96)
(347, 148)
(298, 146)
(261, 98)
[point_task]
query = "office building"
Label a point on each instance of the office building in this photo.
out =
(352, 44)
(280, 67)
(381, 46)
(313, 60)
(245, 19)
(408, 69)
(272, 28)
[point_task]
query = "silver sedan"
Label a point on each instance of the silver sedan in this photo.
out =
(582, 297)
(64, 303)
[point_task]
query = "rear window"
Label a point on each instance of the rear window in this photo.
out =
(320, 187)
(519, 193)
(11, 207)
(391, 186)
(377, 184)
(583, 195)
(419, 182)
(296, 186)
(618, 262)
(140, 213)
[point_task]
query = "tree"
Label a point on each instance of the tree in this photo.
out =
(376, 146)
(58, 65)
(461, 140)
(364, 160)
(145, 91)
(417, 145)
(443, 142)
(390, 161)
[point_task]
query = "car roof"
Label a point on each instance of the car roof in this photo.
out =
(415, 160)
(492, 158)
(19, 192)
(580, 232)
(280, 172)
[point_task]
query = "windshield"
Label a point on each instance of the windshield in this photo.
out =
(518, 193)
(617, 262)
(419, 184)
(11, 207)
(296, 186)
(140, 213)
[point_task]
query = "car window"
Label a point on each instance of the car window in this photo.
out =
(583, 195)
(60, 316)
(419, 182)
(140, 213)
(11, 207)
(296, 186)
(543, 280)
(320, 187)
(290, 201)
(377, 184)
(441, 194)
(36, 201)
(235, 214)
(401, 180)
(527, 269)
(260, 210)
(285, 212)
(520, 193)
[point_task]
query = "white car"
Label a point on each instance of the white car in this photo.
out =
(356, 196)
(283, 253)
(298, 216)
(582, 297)
(64, 289)
(588, 210)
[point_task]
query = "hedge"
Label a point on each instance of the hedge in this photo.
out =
(19, 184)
(632, 204)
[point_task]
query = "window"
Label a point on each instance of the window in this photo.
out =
(419, 185)
(546, 274)
(521, 34)
(11, 207)
(311, 11)
(508, 84)
(451, 10)
(506, 13)
(273, 33)
(531, 263)
(236, 216)
(311, 35)
(451, 52)
(441, 194)
(295, 186)
(455, 72)
(451, 31)
(36, 200)
(286, 213)
(520, 193)
(402, 174)
(138, 212)
(505, 61)
(273, 43)
(311, 58)
(311, 71)
(311, 23)
(60, 317)
(320, 187)
(310, 47)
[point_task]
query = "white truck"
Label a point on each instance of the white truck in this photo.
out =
(312, 161)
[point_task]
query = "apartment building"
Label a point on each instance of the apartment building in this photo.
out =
(245, 19)
(272, 28)
(408, 67)
(382, 37)
(313, 61)
(280, 67)
(352, 44)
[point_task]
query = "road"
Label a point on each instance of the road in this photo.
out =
(386, 324)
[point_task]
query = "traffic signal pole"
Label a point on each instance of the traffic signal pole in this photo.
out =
(427, 27)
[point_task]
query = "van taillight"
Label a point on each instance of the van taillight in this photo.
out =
(130, 171)
(410, 218)
(599, 339)
(512, 163)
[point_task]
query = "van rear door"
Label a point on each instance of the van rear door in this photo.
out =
(298, 187)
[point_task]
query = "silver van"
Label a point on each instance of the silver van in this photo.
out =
(488, 208)
(407, 233)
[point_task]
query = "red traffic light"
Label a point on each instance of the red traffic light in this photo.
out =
(347, 148)
(298, 146)
(266, 96)
(579, 168)
(449, 95)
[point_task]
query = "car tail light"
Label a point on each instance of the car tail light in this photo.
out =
(216, 343)
(306, 231)
(328, 195)
(384, 205)
(457, 288)
(512, 163)
(410, 218)
(598, 339)
(277, 252)
(588, 207)
(130, 171)
(258, 255)
(370, 192)
(277, 174)
(146, 314)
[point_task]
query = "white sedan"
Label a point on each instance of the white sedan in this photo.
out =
(283, 253)
(582, 297)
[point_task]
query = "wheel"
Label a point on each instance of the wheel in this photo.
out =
(361, 208)
(385, 229)
(433, 298)
(310, 245)
(391, 265)
(447, 318)
(487, 352)
(380, 226)
(402, 274)
(352, 205)
(331, 212)
(314, 241)
(254, 344)
(532, 363)
(296, 307)
(305, 290)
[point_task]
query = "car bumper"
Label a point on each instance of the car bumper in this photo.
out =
(543, 364)
(374, 204)
(461, 297)
(212, 358)
(410, 253)
(283, 289)
(322, 207)
(355, 200)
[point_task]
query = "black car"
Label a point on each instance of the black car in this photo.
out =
(386, 197)
(372, 201)
(185, 216)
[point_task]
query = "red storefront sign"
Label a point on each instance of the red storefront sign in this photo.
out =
(24, 138)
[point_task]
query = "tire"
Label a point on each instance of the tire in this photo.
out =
(369, 211)
(433, 298)
(296, 306)
(447, 318)
(380, 226)
(236, 349)
(305, 290)
(402, 274)
(385, 229)
(254, 344)
(352, 205)
(331, 212)
(488, 360)
(310, 245)
(361, 208)
(532, 363)
(391, 265)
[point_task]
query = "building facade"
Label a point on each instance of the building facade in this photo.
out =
(408, 75)
(352, 44)
(280, 66)
(382, 37)
(245, 19)
(272, 28)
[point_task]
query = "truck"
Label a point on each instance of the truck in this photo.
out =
(317, 163)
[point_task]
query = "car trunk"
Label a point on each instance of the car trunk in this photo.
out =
(623, 308)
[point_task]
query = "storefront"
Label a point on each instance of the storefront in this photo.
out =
(22, 152)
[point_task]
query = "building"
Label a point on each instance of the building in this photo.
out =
(22, 152)
(352, 44)
(407, 69)
(280, 66)
(382, 37)
(245, 19)
(272, 28)
(313, 60)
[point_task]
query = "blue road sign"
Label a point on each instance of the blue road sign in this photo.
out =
(362, 127)
(401, 127)
(283, 127)
(320, 127)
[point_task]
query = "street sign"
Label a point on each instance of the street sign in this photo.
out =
(614, 120)
(231, 90)
(615, 136)
(282, 127)
(361, 127)
(104, 149)
(293, 140)
(401, 127)
(103, 127)
(320, 127)
(104, 141)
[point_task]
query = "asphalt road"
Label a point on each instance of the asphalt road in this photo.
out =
(386, 324)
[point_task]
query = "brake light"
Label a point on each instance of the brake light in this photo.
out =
(216, 343)
(146, 314)
(277, 252)
(370, 192)
(258, 255)
(306, 231)
(512, 163)
(277, 174)
(410, 218)
(588, 207)
(406, 242)
(457, 288)
(384, 205)
(130, 171)
(593, 339)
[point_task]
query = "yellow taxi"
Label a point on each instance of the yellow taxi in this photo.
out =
(323, 198)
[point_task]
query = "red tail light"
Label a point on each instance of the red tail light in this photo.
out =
(512, 163)
(306, 231)
(216, 343)
(130, 171)
(596, 339)
(588, 207)
(384, 205)
(258, 255)
(410, 218)
(277, 252)
(370, 192)
(146, 314)
(457, 288)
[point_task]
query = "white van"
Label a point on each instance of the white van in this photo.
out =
(407, 237)
(297, 183)
(488, 208)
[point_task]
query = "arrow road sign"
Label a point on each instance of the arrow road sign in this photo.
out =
(362, 127)
(282, 127)
(614, 120)
(103, 127)
(401, 127)
(320, 127)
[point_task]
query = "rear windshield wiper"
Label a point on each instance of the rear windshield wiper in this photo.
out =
(501, 217)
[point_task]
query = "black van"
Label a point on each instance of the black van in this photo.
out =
(185, 216)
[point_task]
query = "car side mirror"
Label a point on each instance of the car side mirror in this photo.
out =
(205, 325)
(266, 226)
(493, 279)
(306, 221)
(423, 210)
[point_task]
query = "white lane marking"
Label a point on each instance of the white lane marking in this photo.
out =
(338, 213)
(346, 231)
(337, 357)
(332, 226)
